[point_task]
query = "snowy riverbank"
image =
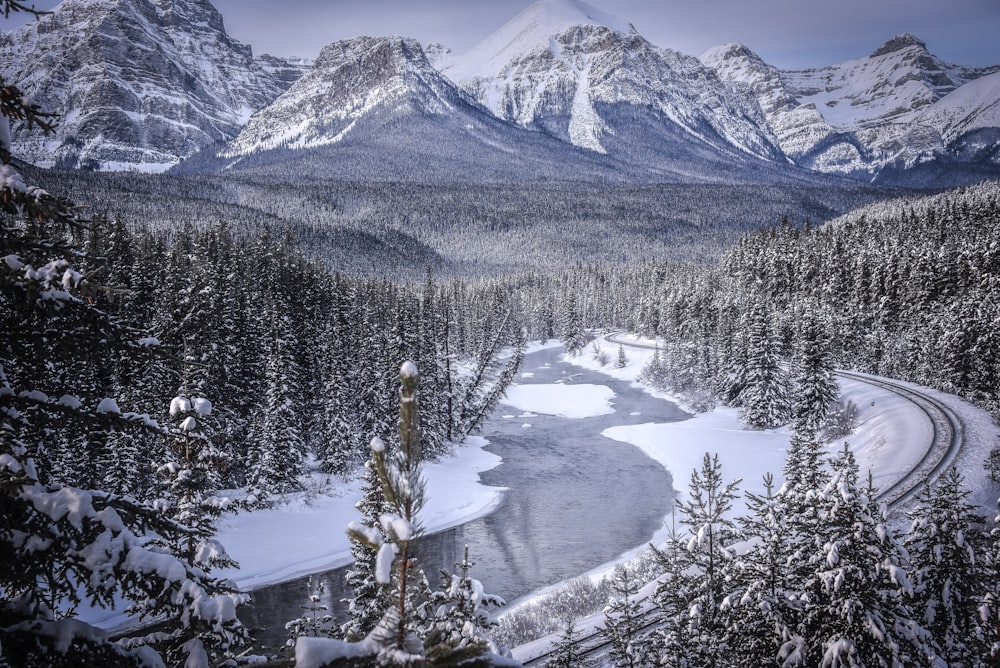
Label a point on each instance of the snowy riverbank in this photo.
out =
(890, 438)
(305, 533)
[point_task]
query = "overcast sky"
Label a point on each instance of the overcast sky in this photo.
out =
(786, 33)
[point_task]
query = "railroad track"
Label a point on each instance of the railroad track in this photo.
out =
(946, 442)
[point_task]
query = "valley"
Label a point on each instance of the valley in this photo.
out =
(562, 295)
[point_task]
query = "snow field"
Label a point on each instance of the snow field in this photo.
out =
(891, 436)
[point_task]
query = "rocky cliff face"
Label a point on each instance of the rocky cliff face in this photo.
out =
(897, 108)
(560, 89)
(137, 84)
(350, 80)
(568, 69)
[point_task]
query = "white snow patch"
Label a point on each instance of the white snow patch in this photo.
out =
(569, 401)
(311, 534)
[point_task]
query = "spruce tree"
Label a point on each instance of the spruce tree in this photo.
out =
(710, 551)
(814, 387)
(368, 604)
(764, 399)
(758, 612)
(948, 555)
(856, 612)
(567, 652)
(571, 332)
(622, 621)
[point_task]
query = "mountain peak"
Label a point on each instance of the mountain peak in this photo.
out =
(717, 55)
(553, 16)
(898, 43)
(531, 29)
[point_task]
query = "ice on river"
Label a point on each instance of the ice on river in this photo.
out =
(568, 401)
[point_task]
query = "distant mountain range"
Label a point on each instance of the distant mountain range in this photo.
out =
(562, 91)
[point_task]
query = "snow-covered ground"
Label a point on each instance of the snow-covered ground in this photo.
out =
(568, 401)
(306, 533)
(891, 437)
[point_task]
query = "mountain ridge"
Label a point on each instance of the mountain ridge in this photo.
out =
(149, 84)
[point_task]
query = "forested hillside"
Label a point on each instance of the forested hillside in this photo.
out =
(398, 229)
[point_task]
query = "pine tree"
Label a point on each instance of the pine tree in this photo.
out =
(948, 556)
(710, 552)
(456, 618)
(368, 604)
(765, 397)
(758, 613)
(622, 622)
(566, 651)
(571, 333)
(814, 385)
(856, 612)
(989, 611)
(674, 592)
(622, 360)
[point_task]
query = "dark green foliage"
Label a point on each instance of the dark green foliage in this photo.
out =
(623, 621)
(567, 652)
(950, 566)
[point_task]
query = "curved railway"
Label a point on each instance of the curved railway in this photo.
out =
(946, 441)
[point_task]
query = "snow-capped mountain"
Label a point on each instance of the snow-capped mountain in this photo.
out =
(375, 107)
(137, 84)
(561, 91)
(350, 80)
(898, 108)
(569, 69)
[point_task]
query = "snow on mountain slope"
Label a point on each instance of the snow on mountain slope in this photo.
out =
(863, 115)
(349, 80)
(570, 70)
(970, 108)
(531, 29)
(137, 84)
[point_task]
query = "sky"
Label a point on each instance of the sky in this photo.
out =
(786, 33)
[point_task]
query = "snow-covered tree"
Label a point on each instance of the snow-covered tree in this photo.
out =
(566, 652)
(764, 399)
(814, 387)
(674, 591)
(758, 611)
(189, 479)
(402, 636)
(857, 611)
(368, 605)
(455, 618)
(706, 512)
(623, 622)
(571, 331)
(949, 557)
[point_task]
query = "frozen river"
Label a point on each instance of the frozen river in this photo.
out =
(575, 499)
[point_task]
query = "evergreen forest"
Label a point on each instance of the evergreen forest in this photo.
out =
(193, 348)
